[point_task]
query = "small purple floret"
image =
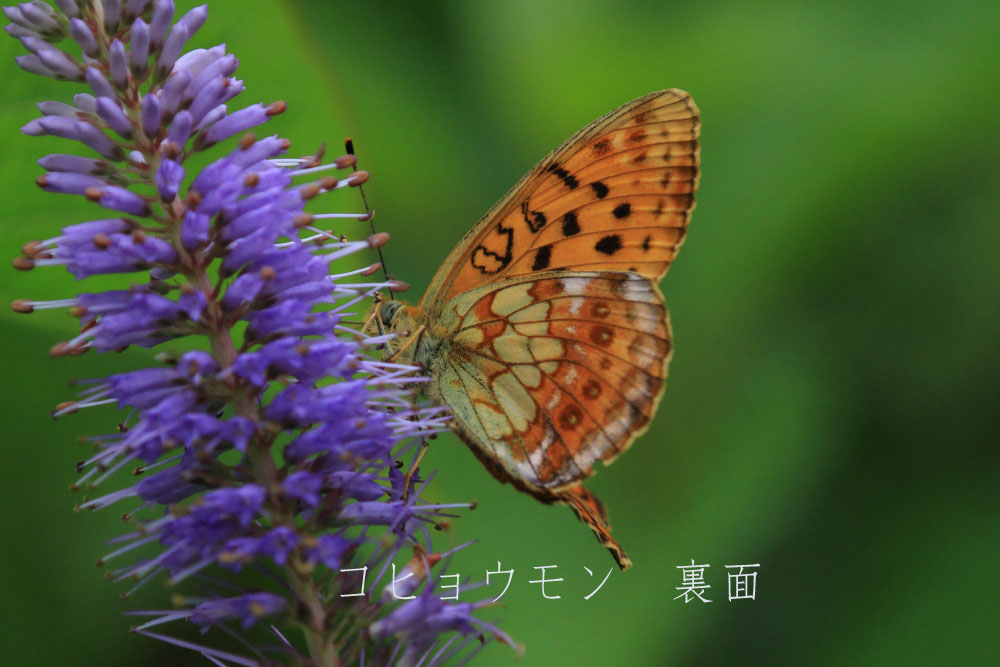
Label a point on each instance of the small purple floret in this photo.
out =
(112, 114)
(120, 199)
(163, 13)
(247, 609)
(70, 183)
(118, 63)
(139, 47)
(168, 179)
(152, 113)
(99, 84)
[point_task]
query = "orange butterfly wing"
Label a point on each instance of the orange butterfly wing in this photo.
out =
(557, 337)
(616, 196)
(552, 372)
(558, 370)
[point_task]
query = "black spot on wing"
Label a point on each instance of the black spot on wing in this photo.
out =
(622, 211)
(542, 257)
(563, 175)
(570, 226)
(487, 261)
(609, 245)
(535, 219)
(600, 189)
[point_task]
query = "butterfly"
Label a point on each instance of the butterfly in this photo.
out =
(545, 330)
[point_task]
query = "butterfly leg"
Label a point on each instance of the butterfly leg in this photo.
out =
(408, 480)
(409, 341)
(373, 323)
(373, 317)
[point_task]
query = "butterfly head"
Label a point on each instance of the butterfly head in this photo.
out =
(386, 311)
(395, 317)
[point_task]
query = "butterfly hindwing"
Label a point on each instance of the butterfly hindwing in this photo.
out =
(550, 373)
(590, 510)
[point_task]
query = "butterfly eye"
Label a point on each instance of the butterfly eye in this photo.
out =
(388, 310)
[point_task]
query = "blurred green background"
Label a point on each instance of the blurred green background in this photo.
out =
(831, 411)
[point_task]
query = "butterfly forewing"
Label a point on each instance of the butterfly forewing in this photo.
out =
(616, 196)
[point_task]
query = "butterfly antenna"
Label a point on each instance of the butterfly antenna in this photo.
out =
(369, 213)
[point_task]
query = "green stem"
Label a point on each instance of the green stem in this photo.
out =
(322, 649)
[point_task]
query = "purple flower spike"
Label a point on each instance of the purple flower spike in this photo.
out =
(261, 438)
